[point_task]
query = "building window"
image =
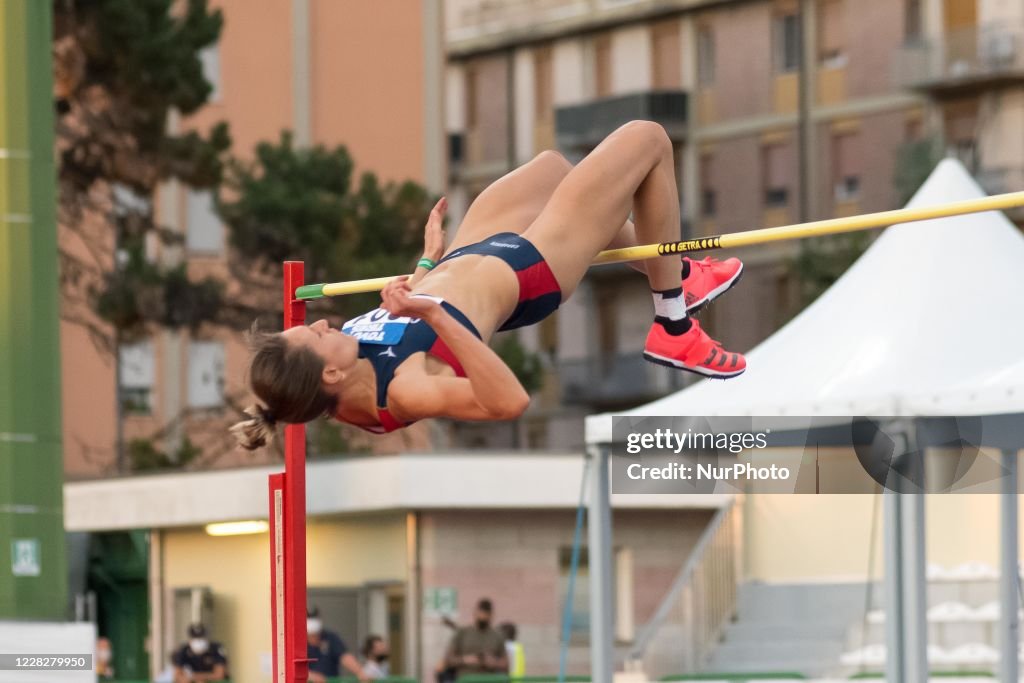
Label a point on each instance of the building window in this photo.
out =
(776, 171)
(603, 66)
(205, 374)
(708, 197)
(831, 53)
(204, 230)
(787, 43)
(210, 59)
(846, 166)
(912, 21)
(666, 56)
(705, 56)
(137, 370)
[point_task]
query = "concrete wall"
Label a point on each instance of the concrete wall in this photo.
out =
(631, 60)
(743, 83)
(513, 559)
(873, 32)
(792, 538)
(369, 84)
(569, 72)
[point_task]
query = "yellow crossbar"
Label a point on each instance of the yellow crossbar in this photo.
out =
(831, 226)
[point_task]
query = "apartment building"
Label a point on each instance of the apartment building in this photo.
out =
(365, 75)
(768, 130)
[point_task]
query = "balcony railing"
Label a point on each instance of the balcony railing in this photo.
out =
(585, 125)
(963, 59)
(617, 380)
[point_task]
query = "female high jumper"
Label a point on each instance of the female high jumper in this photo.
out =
(424, 353)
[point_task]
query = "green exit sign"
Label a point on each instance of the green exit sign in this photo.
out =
(25, 557)
(441, 601)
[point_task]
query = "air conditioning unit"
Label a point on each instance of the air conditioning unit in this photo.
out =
(999, 49)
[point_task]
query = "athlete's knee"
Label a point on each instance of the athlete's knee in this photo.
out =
(649, 133)
(554, 159)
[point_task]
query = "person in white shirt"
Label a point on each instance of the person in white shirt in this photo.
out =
(375, 652)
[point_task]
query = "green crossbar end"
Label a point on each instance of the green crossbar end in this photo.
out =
(309, 292)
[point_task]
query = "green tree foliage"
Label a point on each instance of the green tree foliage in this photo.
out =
(525, 365)
(145, 456)
(122, 67)
(306, 204)
(914, 163)
(823, 260)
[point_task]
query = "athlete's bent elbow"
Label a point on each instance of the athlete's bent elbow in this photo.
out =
(513, 407)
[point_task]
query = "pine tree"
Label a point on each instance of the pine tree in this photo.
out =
(122, 68)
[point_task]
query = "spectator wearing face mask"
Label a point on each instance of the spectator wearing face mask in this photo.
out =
(200, 659)
(375, 652)
(104, 668)
(478, 649)
(327, 652)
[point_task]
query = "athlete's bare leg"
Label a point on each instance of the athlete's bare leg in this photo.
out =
(513, 202)
(632, 169)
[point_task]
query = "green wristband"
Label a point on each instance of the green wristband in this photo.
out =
(426, 263)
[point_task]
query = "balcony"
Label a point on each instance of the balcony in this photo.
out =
(618, 381)
(964, 61)
(583, 126)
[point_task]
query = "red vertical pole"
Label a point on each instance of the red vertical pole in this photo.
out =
(296, 665)
(277, 611)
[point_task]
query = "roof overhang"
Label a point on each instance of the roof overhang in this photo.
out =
(359, 485)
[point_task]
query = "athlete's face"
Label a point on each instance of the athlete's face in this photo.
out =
(339, 351)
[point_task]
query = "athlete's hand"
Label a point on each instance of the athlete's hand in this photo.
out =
(400, 283)
(433, 234)
(397, 300)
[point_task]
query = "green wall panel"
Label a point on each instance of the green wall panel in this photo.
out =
(31, 466)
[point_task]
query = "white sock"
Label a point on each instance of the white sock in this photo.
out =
(669, 304)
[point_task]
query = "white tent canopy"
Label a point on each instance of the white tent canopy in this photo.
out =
(996, 393)
(932, 309)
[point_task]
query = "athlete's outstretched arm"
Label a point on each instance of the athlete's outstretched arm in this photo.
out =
(490, 390)
(433, 239)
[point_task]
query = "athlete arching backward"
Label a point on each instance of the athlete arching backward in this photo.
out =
(523, 247)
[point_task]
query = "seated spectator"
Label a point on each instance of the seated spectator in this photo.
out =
(104, 668)
(327, 652)
(200, 659)
(375, 652)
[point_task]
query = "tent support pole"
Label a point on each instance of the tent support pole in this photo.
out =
(915, 633)
(599, 533)
(1009, 623)
(892, 501)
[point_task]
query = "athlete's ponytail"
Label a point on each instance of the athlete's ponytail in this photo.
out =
(257, 431)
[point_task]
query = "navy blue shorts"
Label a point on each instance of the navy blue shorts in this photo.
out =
(539, 293)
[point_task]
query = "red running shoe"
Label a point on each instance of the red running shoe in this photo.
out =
(694, 351)
(708, 280)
